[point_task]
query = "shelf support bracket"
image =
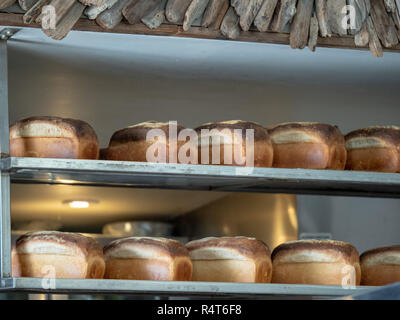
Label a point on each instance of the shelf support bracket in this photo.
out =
(5, 214)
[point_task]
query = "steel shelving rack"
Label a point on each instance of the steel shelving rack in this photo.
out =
(168, 176)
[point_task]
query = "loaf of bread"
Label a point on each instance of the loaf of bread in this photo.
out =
(218, 141)
(308, 145)
(147, 258)
(132, 143)
(53, 137)
(374, 149)
(230, 259)
(319, 262)
(380, 266)
(52, 254)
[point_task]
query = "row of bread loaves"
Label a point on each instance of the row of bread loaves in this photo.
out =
(226, 259)
(305, 145)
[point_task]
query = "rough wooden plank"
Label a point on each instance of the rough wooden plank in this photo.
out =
(61, 8)
(361, 38)
(213, 9)
(384, 26)
(336, 16)
(93, 12)
(26, 4)
(6, 3)
(112, 17)
(314, 28)
(34, 12)
(247, 11)
(300, 28)
(374, 43)
(284, 14)
(230, 25)
(265, 15)
(194, 12)
(137, 10)
(156, 17)
(360, 15)
(176, 9)
(93, 2)
(68, 21)
(322, 15)
(221, 15)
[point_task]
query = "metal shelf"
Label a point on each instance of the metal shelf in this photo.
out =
(175, 289)
(201, 177)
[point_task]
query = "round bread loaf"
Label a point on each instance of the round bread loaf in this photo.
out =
(323, 262)
(374, 149)
(147, 258)
(132, 143)
(380, 266)
(308, 145)
(229, 143)
(53, 137)
(230, 259)
(56, 254)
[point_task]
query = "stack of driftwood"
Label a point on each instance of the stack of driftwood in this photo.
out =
(376, 23)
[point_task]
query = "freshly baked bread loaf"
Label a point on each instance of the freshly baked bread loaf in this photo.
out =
(53, 137)
(308, 145)
(59, 255)
(323, 262)
(15, 266)
(380, 266)
(230, 259)
(217, 143)
(147, 258)
(131, 143)
(374, 149)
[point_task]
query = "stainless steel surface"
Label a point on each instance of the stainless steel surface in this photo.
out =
(200, 177)
(271, 218)
(207, 289)
(388, 292)
(138, 228)
(5, 210)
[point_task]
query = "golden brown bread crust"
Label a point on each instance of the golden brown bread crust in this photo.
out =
(337, 249)
(247, 247)
(263, 150)
(308, 145)
(59, 255)
(130, 144)
(374, 149)
(162, 246)
(381, 251)
(76, 139)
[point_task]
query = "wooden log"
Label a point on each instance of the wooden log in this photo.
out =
(300, 28)
(247, 10)
(360, 15)
(361, 39)
(61, 8)
(67, 22)
(216, 25)
(34, 12)
(336, 16)
(230, 25)
(26, 4)
(112, 17)
(284, 14)
(374, 43)
(93, 12)
(93, 2)
(213, 9)
(322, 15)
(176, 9)
(265, 15)
(194, 12)
(390, 5)
(6, 3)
(156, 17)
(137, 10)
(314, 29)
(384, 26)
